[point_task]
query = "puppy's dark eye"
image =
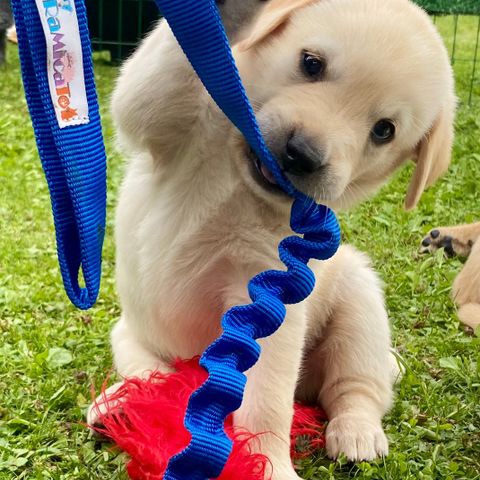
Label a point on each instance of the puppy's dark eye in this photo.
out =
(383, 132)
(313, 66)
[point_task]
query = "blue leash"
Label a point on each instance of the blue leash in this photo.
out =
(74, 164)
(199, 30)
(70, 142)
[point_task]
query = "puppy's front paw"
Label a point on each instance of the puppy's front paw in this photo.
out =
(359, 438)
(292, 476)
(284, 474)
(280, 468)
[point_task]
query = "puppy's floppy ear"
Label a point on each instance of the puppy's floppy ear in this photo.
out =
(272, 18)
(433, 155)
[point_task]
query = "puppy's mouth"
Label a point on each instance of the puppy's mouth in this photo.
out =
(262, 175)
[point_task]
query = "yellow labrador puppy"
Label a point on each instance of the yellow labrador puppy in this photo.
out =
(345, 91)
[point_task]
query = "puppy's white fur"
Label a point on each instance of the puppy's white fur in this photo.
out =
(193, 227)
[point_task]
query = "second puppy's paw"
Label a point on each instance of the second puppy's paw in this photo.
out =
(454, 241)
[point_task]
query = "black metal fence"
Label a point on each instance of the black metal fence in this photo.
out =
(117, 25)
(469, 7)
(461, 34)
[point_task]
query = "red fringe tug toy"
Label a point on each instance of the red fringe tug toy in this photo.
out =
(145, 419)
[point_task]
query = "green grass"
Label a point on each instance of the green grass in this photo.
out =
(50, 353)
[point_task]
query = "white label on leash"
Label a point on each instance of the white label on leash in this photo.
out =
(64, 61)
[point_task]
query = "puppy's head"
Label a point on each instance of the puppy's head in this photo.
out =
(346, 91)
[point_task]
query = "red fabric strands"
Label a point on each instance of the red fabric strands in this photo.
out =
(145, 419)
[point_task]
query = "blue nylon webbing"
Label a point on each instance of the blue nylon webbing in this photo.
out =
(198, 28)
(73, 158)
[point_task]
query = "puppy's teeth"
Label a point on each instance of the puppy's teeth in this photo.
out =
(268, 174)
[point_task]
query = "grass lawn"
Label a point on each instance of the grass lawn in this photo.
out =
(50, 353)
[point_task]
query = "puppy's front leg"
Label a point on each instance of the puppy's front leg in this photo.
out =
(349, 367)
(132, 359)
(267, 408)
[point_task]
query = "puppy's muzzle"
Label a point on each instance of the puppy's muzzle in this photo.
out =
(301, 157)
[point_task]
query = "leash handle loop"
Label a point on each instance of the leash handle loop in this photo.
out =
(57, 72)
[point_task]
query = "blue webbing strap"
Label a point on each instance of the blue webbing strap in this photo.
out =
(73, 157)
(199, 30)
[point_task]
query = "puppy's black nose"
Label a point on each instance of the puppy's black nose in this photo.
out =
(301, 157)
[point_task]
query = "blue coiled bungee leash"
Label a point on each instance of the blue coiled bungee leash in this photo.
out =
(199, 30)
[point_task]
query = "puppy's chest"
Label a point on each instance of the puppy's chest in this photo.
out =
(206, 272)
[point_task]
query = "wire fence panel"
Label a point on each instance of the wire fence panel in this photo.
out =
(117, 26)
(461, 34)
(469, 7)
